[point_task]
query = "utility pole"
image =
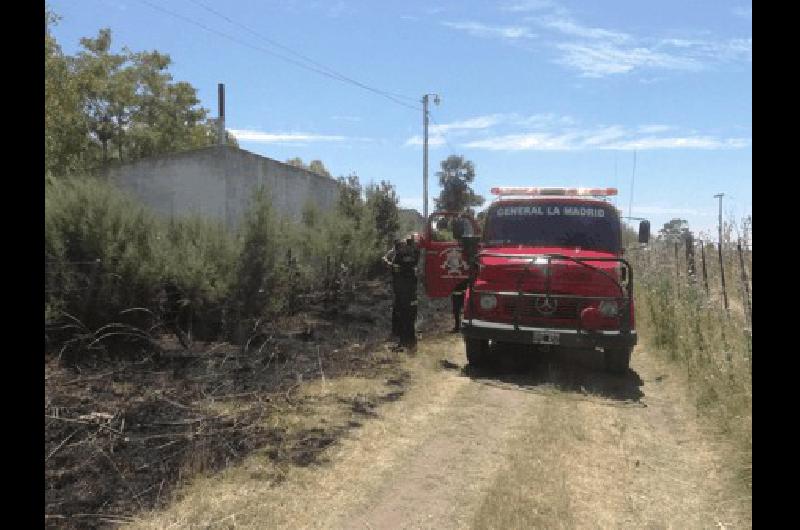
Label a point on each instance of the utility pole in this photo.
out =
(721, 266)
(221, 120)
(633, 178)
(425, 152)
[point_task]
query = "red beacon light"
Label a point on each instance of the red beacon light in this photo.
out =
(566, 192)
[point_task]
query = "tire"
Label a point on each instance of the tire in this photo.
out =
(477, 352)
(617, 360)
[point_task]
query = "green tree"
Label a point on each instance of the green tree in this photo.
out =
(455, 176)
(674, 231)
(296, 162)
(350, 203)
(65, 127)
(101, 106)
(382, 203)
(316, 166)
(256, 278)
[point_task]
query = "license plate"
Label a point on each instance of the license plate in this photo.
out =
(545, 337)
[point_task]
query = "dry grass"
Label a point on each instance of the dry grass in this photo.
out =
(263, 493)
(680, 321)
(459, 452)
(590, 463)
(531, 491)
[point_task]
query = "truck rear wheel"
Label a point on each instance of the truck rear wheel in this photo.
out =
(617, 360)
(477, 351)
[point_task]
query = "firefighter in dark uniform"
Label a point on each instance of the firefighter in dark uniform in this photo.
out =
(388, 259)
(405, 262)
(457, 296)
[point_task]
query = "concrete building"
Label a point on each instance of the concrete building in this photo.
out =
(218, 181)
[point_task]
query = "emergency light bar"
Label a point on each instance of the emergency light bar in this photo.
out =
(569, 192)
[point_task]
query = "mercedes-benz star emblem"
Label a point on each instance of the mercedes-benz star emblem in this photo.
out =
(546, 306)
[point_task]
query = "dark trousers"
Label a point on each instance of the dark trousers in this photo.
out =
(395, 311)
(406, 307)
(458, 305)
(457, 299)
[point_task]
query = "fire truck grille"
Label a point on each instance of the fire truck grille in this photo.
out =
(564, 308)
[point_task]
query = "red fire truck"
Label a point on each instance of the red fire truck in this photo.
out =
(546, 271)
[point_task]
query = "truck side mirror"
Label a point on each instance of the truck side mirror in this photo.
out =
(644, 231)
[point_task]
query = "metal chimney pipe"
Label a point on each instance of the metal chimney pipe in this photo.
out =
(221, 119)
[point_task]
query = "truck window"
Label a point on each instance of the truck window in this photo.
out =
(443, 228)
(554, 223)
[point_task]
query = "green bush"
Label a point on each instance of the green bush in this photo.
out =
(106, 253)
(255, 289)
(101, 251)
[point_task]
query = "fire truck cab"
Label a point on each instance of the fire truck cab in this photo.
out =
(546, 271)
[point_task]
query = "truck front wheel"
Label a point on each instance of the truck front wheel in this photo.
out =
(617, 360)
(477, 351)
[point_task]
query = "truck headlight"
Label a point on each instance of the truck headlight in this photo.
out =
(609, 308)
(488, 301)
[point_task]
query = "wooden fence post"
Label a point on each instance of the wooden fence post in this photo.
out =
(748, 308)
(690, 265)
(722, 278)
(703, 259)
(677, 270)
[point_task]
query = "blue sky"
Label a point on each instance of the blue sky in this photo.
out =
(534, 92)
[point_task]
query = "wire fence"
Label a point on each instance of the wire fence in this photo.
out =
(723, 275)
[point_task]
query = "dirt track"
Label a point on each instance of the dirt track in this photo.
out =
(558, 446)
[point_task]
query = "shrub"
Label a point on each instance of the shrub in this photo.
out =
(106, 253)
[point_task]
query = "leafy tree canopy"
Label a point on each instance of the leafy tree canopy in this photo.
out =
(455, 176)
(103, 106)
(675, 230)
(315, 166)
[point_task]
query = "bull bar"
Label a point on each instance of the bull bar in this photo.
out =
(567, 337)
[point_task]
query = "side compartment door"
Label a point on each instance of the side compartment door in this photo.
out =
(445, 267)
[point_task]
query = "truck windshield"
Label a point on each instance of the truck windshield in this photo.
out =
(551, 223)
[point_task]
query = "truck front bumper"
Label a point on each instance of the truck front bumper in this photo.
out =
(567, 338)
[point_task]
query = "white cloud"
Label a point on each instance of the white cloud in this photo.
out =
(525, 142)
(478, 29)
(439, 132)
(434, 140)
(654, 128)
(551, 132)
(607, 138)
(603, 136)
(599, 59)
(731, 50)
(568, 26)
(679, 142)
(522, 6)
(268, 138)
(597, 52)
(478, 122)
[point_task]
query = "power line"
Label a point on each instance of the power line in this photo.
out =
(335, 76)
(633, 178)
(443, 135)
(339, 75)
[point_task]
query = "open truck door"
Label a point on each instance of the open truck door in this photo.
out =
(445, 266)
